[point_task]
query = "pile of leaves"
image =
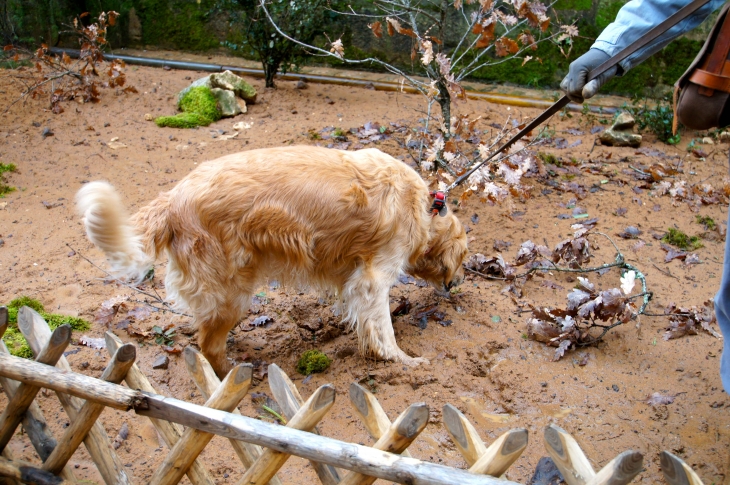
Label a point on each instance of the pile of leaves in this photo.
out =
(695, 195)
(64, 79)
(687, 321)
(563, 328)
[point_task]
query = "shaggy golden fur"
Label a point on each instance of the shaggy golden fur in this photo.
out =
(344, 221)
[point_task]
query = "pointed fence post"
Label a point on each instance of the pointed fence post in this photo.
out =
(305, 419)
(207, 382)
(399, 436)
(170, 432)
(36, 332)
(289, 400)
(225, 398)
(577, 470)
(371, 412)
(676, 471)
(90, 411)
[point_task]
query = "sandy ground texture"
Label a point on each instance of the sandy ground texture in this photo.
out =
(481, 362)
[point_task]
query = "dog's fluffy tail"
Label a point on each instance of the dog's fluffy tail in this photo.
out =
(108, 227)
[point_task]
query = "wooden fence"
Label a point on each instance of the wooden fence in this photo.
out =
(261, 447)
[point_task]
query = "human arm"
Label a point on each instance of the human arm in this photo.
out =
(635, 19)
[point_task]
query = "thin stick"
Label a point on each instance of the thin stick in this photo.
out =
(157, 298)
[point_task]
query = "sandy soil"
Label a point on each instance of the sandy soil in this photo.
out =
(480, 363)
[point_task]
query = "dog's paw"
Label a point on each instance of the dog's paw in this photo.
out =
(414, 361)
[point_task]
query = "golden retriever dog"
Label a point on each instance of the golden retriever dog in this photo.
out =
(347, 222)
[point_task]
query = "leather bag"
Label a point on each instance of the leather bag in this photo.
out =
(704, 89)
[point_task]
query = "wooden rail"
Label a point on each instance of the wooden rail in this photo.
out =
(262, 447)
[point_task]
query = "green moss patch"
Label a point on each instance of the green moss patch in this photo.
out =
(313, 361)
(677, 238)
(199, 108)
(15, 341)
(4, 187)
(706, 221)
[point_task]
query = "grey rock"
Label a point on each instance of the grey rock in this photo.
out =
(226, 102)
(624, 121)
(301, 84)
(725, 136)
(616, 138)
(228, 80)
(161, 362)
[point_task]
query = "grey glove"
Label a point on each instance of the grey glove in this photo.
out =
(576, 85)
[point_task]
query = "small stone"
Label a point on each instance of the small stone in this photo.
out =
(161, 362)
(148, 117)
(2, 243)
(46, 132)
(725, 136)
(294, 111)
(708, 141)
(614, 387)
(301, 84)
(615, 138)
(624, 121)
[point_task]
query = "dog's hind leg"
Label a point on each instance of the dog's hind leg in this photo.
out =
(212, 335)
(367, 305)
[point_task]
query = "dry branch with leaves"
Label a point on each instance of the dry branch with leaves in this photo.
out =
(61, 78)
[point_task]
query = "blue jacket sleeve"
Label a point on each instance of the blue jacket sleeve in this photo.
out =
(637, 17)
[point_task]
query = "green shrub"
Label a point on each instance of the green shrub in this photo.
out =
(313, 361)
(658, 119)
(15, 341)
(706, 221)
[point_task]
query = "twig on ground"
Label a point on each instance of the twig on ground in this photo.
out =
(157, 298)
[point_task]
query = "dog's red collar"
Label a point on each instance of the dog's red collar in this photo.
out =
(439, 203)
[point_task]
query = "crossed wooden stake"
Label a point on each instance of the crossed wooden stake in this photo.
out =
(261, 464)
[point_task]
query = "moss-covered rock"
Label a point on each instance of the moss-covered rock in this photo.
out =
(313, 361)
(201, 100)
(17, 345)
(199, 108)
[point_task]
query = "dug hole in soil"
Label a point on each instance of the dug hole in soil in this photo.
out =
(481, 363)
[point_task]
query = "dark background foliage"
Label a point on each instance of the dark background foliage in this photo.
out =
(236, 27)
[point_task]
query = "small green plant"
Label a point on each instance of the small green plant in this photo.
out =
(199, 108)
(657, 119)
(313, 135)
(706, 221)
(549, 158)
(313, 361)
(677, 238)
(15, 341)
(338, 133)
(163, 337)
(4, 187)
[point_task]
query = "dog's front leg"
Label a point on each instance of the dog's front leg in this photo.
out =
(367, 304)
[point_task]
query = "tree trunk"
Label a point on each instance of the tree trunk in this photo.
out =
(444, 100)
(270, 70)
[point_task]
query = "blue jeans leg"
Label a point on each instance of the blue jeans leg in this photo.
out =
(722, 312)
